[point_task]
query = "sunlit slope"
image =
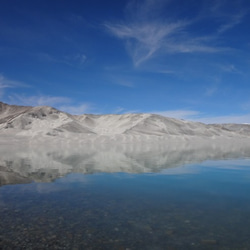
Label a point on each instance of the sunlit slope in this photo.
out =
(48, 121)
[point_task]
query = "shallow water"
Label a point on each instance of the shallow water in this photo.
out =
(127, 197)
(196, 206)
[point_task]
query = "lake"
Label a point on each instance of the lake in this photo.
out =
(116, 198)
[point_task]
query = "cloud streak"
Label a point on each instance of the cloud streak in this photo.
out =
(234, 21)
(76, 60)
(241, 119)
(76, 109)
(143, 40)
(8, 83)
(38, 100)
(193, 115)
(59, 102)
(147, 35)
(179, 114)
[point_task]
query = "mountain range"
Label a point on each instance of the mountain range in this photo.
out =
(50, 122)
(43, 143)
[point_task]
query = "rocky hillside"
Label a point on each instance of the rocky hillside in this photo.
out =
(48, 121)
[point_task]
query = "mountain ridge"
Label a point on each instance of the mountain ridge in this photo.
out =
(49, 121)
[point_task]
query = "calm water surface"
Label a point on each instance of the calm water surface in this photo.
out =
(196, 206)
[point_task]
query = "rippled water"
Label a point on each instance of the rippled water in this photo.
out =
(197, 206)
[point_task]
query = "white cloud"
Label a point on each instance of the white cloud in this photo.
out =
(119, 110)
(193, 115)
(59, 102)
(211, 90)
(245, 118)
(40, 100)
(166, 71)
(230, 68)
(147, 9)
(246, 105)
(148, 32)
(233, 21)
(178, 114)
(75, 60)
(226, 13)
(8, 83)
(145, 33)
(144, 39)
(122, 81)
(81, 58)
(76, 109)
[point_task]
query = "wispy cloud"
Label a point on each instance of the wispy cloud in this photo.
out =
(230, 68)
(178, 114)
(211, 90)
(143, 32)
(166, 71)
(122, 81)
(6, 83)
(74, 60)
(119, 110)
(145, 9)
(38, 100)
(146, 34)
(228, 14)
(246, 105)
(245, 118)
(77, 109)
(59, 102)
(197, 116)
(233, 21)
(144, 39)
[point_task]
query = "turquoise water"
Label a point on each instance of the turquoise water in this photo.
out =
(196, 206)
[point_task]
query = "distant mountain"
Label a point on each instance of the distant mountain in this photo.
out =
(48, 121)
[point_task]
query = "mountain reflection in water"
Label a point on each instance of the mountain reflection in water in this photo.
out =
(42, 163)
(125, 196)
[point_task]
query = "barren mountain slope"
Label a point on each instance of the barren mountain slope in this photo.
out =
(160, 125)
(9, 112)
(31, 121)
(111, 124)
(38, 120)
(243, 129)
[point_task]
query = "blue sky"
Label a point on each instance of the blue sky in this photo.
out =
(187, 59)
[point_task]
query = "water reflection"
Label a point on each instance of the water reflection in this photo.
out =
(65, 206)
(42, 163)
(209, 210)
